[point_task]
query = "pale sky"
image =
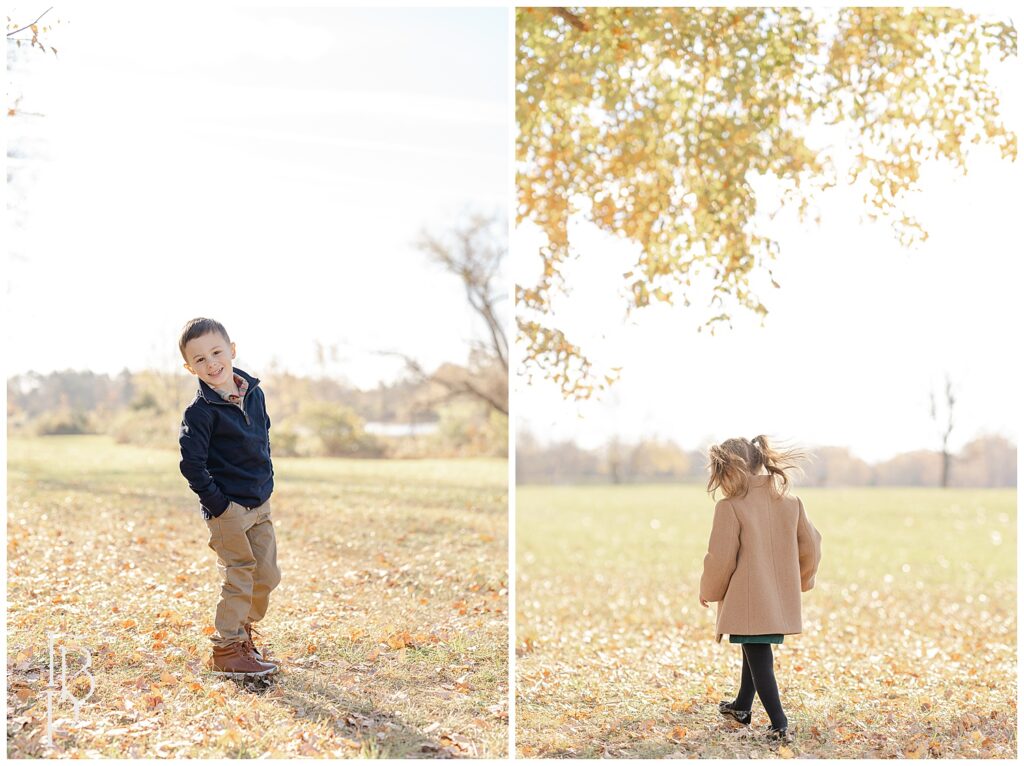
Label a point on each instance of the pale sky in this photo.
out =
(268, 167)
(856, 337)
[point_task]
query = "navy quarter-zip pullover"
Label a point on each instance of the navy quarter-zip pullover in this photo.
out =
(225, 449)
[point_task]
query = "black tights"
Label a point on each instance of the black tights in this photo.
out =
(759, 676)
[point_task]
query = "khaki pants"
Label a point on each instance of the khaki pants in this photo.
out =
(243, 539)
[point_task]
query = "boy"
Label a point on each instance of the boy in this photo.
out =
(225, 456)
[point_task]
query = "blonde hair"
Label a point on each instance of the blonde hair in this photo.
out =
(732, 463)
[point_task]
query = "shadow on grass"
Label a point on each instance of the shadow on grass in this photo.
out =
(382, 734)
(412, 494)
(115, 486)
(628, 740)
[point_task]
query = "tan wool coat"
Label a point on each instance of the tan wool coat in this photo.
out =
(763, 553)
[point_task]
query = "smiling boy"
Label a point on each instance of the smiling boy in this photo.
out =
(225, 456)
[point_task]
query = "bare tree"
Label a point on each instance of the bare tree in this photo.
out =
(946, 428)
(474, 251)
(615, 458)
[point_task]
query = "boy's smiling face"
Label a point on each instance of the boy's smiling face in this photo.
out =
(209, 356)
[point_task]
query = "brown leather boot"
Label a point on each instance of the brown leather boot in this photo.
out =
(236, 661)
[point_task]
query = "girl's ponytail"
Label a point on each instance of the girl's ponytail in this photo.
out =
(776, 462)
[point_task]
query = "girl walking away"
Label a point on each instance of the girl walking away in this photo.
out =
(763, 553)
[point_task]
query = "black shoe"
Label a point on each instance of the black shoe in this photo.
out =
(778, 735)
(726, 709)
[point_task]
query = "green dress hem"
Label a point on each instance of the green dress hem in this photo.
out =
(766, 638)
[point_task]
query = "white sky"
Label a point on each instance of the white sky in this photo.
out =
(857, 336)
(270, 168)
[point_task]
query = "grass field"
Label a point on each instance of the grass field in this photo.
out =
(390, 621)
(908, 649)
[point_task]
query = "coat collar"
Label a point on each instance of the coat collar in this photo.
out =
(212, 397)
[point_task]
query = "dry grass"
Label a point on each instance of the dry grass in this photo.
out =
(908, 650)
(391, 619)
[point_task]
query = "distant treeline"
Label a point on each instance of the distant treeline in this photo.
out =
(310, 416)
(988, 461)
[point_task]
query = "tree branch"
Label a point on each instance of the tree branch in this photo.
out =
(28, 26)
(462, 386)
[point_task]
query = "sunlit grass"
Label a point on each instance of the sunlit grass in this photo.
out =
(908, 636)
(390, 621)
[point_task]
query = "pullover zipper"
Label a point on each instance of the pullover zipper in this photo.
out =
(229, 404)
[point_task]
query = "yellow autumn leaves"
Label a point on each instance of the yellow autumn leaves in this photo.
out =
(651, 123)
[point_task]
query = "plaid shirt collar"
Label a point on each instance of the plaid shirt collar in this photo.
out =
(227, 396)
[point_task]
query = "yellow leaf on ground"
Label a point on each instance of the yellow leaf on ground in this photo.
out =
(785, 752)
(398, 640)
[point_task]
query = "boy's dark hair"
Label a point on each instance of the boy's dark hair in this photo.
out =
(196, 328)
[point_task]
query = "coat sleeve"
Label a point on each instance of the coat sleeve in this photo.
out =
(808, 541)
(194, 441)
(723, 549)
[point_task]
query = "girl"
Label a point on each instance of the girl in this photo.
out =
(763, 553)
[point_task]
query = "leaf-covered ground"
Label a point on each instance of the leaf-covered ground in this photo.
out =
(391, 619)
(908, 649)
